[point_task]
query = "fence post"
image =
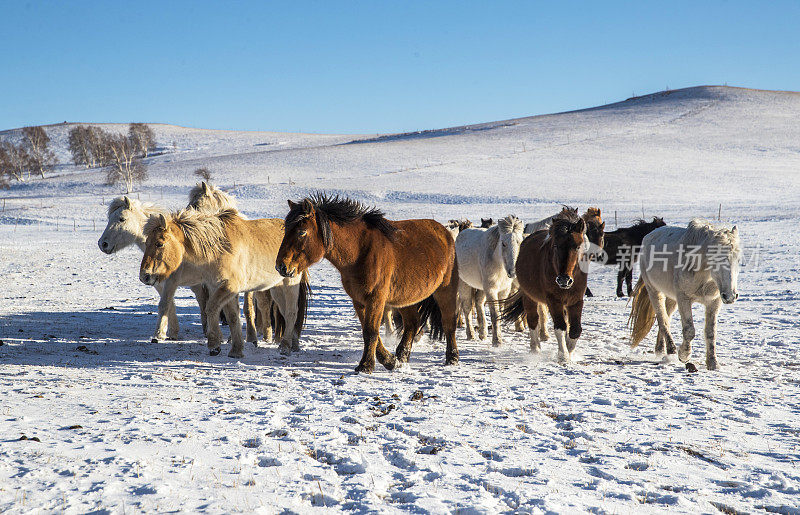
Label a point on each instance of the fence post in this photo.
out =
(74, 225)
(719, 213)
(616, 225)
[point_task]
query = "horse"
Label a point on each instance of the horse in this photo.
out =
(486, 223)
(406, 264)
(126, 221)
(622, 246)
(210, 199)
(595, 234)
(232, 255)
(680, 267)
(549, 272)
(486, 259)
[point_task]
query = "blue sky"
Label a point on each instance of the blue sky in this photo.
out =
(369, 67)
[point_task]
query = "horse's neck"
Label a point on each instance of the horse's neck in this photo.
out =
(344, 249)
(638, 232)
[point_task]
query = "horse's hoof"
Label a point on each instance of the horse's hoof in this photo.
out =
(364, 369)
(451, 362)
(172, 338)
(154, 340)
(237, 354)
(393, 364)
(214, 352)
(712, 365)
(285, 350)
(497, 344)
(295, 347)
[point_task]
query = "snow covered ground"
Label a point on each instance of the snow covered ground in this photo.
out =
(113, 423)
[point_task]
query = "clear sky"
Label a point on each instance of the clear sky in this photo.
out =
(369, 67)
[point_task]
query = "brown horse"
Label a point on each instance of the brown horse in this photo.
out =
(549, 272)
(595, 233)
(407, 264)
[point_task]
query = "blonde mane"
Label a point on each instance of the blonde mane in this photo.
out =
(207, 197)
(147, 208)
(703, 233)
(205, 233)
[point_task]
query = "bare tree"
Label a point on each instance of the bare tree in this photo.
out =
(204, 173)
(78, 142)
(37, 144)
(97, 140)
(125, 164)
(143, 138)
(4, 166)
(16, 161)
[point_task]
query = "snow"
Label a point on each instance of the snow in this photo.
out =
(126, 425)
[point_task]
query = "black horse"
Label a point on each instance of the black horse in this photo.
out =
(622, 248)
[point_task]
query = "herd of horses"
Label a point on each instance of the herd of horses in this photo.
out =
(419, 275)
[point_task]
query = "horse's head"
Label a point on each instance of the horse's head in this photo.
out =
(510, 229)
(486, 223)
(723, 261)
(567, 234)
(126, 220)
(208, 198)
(595, 231)
(305, 239)
(164, 250)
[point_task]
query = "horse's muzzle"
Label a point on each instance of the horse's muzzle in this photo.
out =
(148, 279)
(281, 268)
(729, 298)
(564, 281)
(105, 247)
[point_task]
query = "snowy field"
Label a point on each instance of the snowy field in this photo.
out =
(115, 424)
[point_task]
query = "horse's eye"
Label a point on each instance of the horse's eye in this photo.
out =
(302, 233)
(159, 244)
(505, 245)
(121, 219)
(564, 229)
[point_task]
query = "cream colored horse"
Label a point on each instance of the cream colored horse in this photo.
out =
(232, 254)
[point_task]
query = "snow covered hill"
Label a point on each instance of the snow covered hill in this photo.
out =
(125, 425)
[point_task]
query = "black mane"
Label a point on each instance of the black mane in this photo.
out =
(340, 210)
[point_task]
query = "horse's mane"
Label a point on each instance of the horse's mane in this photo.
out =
(219, 199)
(702, 233)
(147, 208)
(510, 224)
(567, 214)
(593, 213)
(340, 210)
(204, 232)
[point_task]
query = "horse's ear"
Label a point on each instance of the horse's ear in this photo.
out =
(308, 207)
(580, 225)
(603, 226)
(735, 231)
(162, 220)
(127, 202)
(204, 185)
(292, 205)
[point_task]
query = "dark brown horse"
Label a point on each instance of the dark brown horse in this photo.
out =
(549, 272)
(622, 248)
(409, 265)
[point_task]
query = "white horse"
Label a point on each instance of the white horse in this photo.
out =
(678, 268)
(545, 223)
(486, 261)
(126, 220)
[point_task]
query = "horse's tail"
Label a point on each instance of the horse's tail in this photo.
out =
(642, 314)
(303, 298)
(512, 309)
(429, 311)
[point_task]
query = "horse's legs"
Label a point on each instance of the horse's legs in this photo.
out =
(497, 335)
(201, 294)
(231, 310)
(621, 273)
(661, 342)
(285, 296)
(589, 292)
(166, 301)
(263, 301)
(466, 300)
(711, 334)
(532, 315)
(658, 301)
(542, 310)
(687, 324)
(388, 321)
(480, 313)
(629, 276)
(219, 298)
(250, 318)
(446, 296)
(370, 316)
(574, 313)
(410, 316)
(560, 326)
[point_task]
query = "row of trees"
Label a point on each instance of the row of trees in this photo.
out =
(32, 155)
(120, 154)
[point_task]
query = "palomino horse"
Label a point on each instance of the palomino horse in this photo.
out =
(407, 264)
(260, 304)
(678, 268)
(622, 248)
(549, 272)
(486, 260)
(232, 255)
(126, 221)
